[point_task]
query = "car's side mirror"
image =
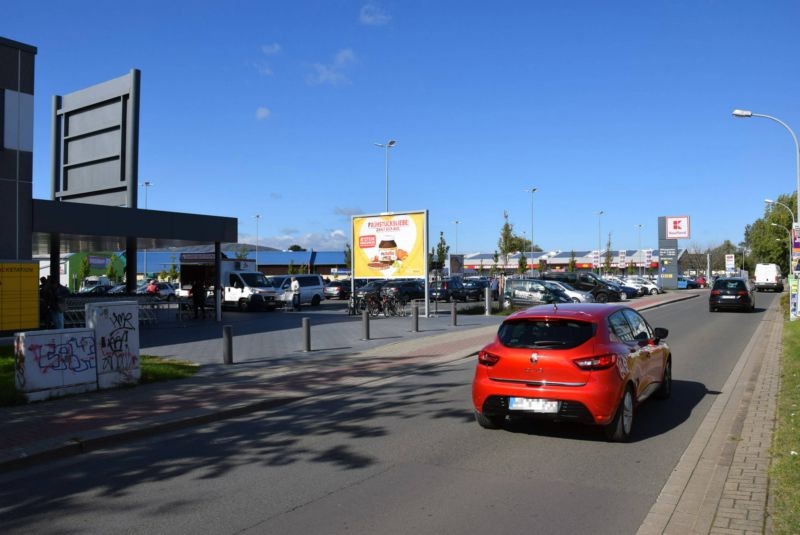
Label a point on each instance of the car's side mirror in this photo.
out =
(660, 333)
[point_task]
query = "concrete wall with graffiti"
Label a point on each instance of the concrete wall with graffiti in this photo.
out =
(68, 361)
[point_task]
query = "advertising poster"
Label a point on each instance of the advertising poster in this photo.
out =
(390, 246)
(19, 295)
(456, 264)
(793, 298)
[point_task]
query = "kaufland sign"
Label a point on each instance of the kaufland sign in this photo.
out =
(678, 227)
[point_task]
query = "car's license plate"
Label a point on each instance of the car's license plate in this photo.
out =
(729, 297)
(533, 405)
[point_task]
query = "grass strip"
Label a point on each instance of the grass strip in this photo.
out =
(785, 467)
(154, 369)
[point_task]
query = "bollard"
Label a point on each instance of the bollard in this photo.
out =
(227, 344)
(488, 300)
(453, 314)
(365, 322)
(415, 319)
(306, 335)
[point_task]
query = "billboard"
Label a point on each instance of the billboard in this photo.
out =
(19, 295)
(390, 246)
(677, 227)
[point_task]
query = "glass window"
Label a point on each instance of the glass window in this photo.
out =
(554, 334)
(641, 330)
(619, 326)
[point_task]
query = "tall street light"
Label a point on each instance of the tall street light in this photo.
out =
(146, 185)
(599, 215)
(748, 114)
(258, 219)
(531, 190)
(388, 145)
(456, 223)
(639, 226)
(790, 243)
(791, 213)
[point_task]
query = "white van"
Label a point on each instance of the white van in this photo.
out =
(768, 277)
(312, 288)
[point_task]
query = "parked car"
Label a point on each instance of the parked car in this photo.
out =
(100, 289)
(686, 283)
(475, 289)
(587, 363)
(405, 290)
(119, 289)
(373, 287)
(575, 295)
(338, 289)
(164, 290)
(732, 292)
(585, 282)
(529, 292)
(624, 292)
(649, 286)
(312, 288)
(448, 290)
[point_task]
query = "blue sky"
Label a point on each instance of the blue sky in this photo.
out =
(272, 108)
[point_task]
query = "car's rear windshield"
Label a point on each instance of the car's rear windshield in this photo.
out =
(545, 333)
(729, 284)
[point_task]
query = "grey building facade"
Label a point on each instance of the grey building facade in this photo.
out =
(16, 148)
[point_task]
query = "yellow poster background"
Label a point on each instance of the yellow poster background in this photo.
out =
(19, 296)
(389, 246)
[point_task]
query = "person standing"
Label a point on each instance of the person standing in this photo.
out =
(199, 298)
(295, 287)
(55, 298)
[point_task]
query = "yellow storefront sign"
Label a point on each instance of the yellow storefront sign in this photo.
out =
(19, 295)
(390, 246)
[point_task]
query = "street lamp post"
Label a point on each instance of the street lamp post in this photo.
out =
(258, 219)
(146, 185)
(388, 145)
(456, 223)
(639, 226)
(599, 215)
(531, 190)
(748, 114)
(791, 213)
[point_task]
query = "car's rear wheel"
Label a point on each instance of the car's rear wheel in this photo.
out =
(619, 430)
(665, 390)
(711, 308)
(315, 301)
(576, 300)
(601, 298)
(493, 421)
(654, 291)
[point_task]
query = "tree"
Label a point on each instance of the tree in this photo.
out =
(173, 270)
(348, 256)
(572, 262)
(84, 269)
(241, 252)
(296, 248)
(542, 265)
(608, 254)
(111, 270)
(506, 241)
(291, 269)
(769, 244)
(441, 250)
(522, 267)
(163, 275)
(495, 260)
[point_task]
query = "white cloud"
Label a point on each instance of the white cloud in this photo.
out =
(262, 68)
(372, 15)
(331, 240)
(332, 73)
(347, 211)
(271, 49)
(262, 113)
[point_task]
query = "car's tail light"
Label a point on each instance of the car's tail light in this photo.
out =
(487, 359)
(600, 362)
(714, 292)
(742, 292)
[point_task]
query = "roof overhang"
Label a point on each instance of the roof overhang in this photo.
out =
(90, 227)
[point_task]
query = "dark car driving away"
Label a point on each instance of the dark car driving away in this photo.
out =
(732, 292)
(405, 290)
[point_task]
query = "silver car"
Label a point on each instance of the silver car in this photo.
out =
(577, 296)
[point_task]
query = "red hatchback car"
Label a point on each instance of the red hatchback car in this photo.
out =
(590, 363)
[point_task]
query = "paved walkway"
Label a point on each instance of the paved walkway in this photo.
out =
(719, 485)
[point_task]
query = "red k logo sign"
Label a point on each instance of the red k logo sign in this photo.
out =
(678, 228)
